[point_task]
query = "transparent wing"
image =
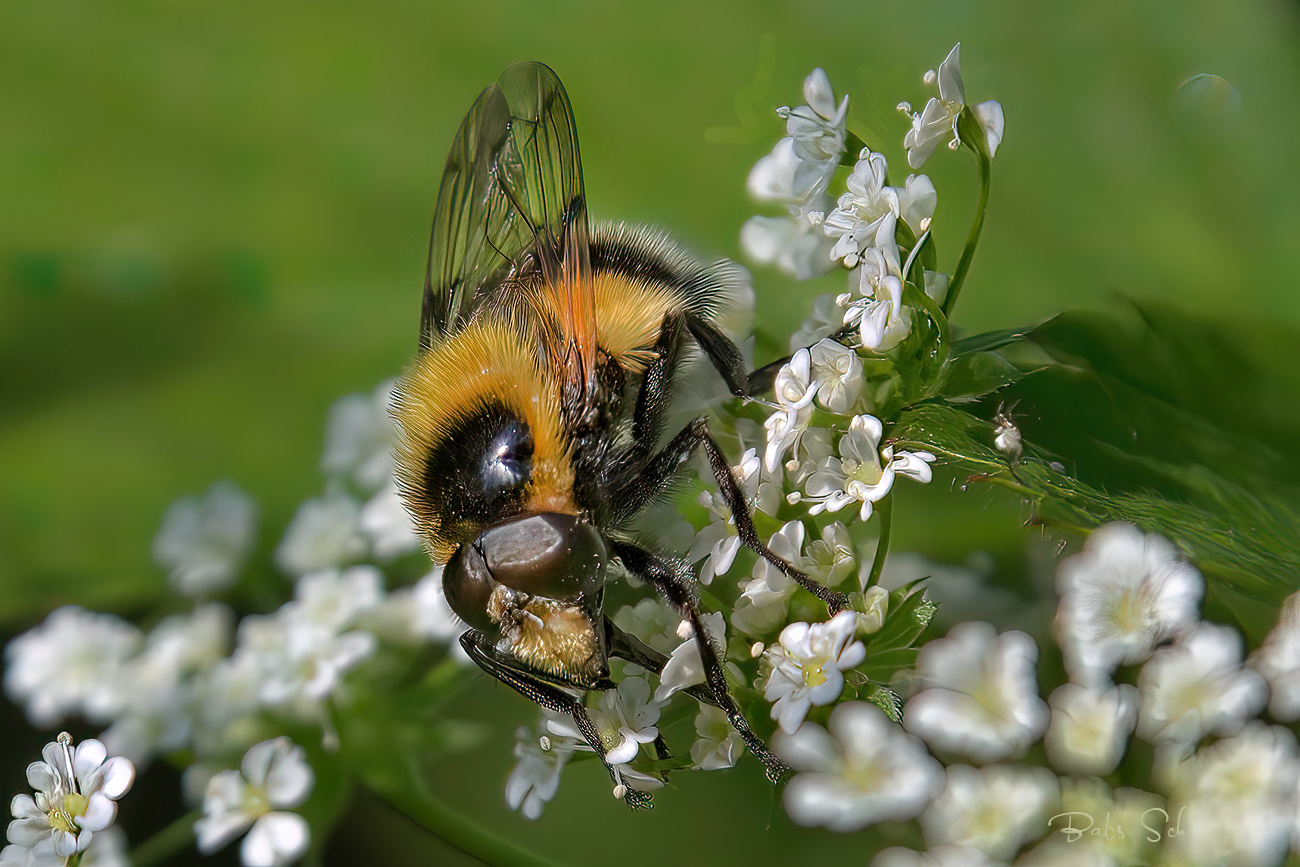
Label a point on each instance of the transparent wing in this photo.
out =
(511, 202)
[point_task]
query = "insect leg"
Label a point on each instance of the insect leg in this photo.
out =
(654, 398)
(629, 647)
(659, 473)
(547, 695)
(680, 594)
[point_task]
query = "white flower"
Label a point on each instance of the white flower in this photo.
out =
(818, 128)
(875, 601)
(718, 745)
(1121, 595)
(802, 164)
(808, 667)
(938, 856)
(1090, 727)
(917, 200)
(536, 776)
(225, 705)
(981, 696)
(685, 668)
(939, 117)
(764, 599)
(793, 244)
(831, 558)
(1279, 661)
(996, 809)
(861, 213)
(158, 684)
(203, 542)
(325, 532)
(718, 543)
(865, 770)
(625, 718)
(303, 651)
(864, 472)
(359, 438)
(388, 525)
(1095, 826)
(1197, 687)
(652, 621)
(762, 487)
(69, 665)
(827, 318)
(838, 373)
(108, 849)
(76, 794)
(1240, 796)
(879, 314)
(274, 777)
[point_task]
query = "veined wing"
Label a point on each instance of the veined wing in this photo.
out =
(511, 204)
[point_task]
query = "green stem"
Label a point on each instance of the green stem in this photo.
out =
(176, 837)
(972, 239)
(462, 832)
(886, 510)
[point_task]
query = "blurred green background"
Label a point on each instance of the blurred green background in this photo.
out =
(214, 218)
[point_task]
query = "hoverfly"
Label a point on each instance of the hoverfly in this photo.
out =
(529, 423)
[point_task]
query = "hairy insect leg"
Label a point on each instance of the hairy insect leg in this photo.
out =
(549, 696)
(627, 646)
(681, 596)
(659, 474)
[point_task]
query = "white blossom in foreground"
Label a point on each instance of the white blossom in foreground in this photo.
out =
(863, 472)
(801, 165)
(626, 718)
(685, 668)
(793, 244)
(1121, 595)
(1279, 661)
(1240, 799)
(980, 694)
(838, 371)
(385, 521)
(718, 744)
(1090, 727)
(867, 206)
(536, 777)
(938, 856)
(827, 318)
(718, 543)
(794, 390)
(995, 809)
(1094, 825)
(158, 684)
(765, 598)
(273, 778)
(325, 532)
(76, 795)
(359, 438)
(652, 621)
(204, 541)
(70, 664)
(879, 314)
(938, 120)
(1197, 686)
(762, 487)
(863, 771)
(808, 666)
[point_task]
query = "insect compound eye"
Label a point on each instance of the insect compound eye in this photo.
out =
(556, 556)
(468, 587)
(478, 472)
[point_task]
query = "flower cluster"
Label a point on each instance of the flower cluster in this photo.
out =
(201, 689)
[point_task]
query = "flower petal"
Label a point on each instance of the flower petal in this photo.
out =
(100, 813)
(276, 839)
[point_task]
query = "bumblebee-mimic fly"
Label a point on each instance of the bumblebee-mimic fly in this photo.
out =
(529, 423)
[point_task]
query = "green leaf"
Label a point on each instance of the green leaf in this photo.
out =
(887, 700)
(906, 619)
(883, 665)
(972, 376)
